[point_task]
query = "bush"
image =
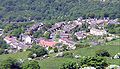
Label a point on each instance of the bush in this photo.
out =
(30, 55)
(68, 55)
(55, 50)
(30, 65)
(10, 63)
(40, 51)
(97, 62)
(82, 45)
(102, 53)
(70, 65)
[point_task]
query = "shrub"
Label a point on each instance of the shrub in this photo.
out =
(55, 50)
(70, 65)
(82, 45)
(30, 55)
(30, 65)
(97, 62)
(102, 53)
(10, 63)
(68, 55)
(39, 51)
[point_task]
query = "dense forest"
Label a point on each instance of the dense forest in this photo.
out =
(57, 10)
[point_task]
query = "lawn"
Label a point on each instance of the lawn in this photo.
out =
(112, 47)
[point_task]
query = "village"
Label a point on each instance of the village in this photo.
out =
(62, 33)
(62, 37)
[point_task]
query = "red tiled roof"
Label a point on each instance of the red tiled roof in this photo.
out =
(47, 43)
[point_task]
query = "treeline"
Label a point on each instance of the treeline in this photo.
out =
(56, 10)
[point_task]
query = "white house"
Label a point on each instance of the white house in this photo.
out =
(97, 32)
(28, 40)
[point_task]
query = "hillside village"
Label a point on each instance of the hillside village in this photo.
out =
(62, 33)
(62, 36)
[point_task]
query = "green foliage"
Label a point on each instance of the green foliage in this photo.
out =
(97, 62)
(70, 65)
(68, 55)
(55, 49)
(118, 19)
(102, 53)
(10, 63)
(65, 47)
(39, 51)
(8, 27)
(38, 34)
(30, 65)
(1, 51)
(113, 28)
(82, 45)
(3, 44)
(56, 10)
(17, 32)
(46, 35)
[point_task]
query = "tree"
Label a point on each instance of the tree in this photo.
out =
(37, 34)
(65, 47)
(55, 49)
(10, 63)
(97, 62)
(46, 35)
(17, 32)
(8, 27)
(39, 51)
(30, 65)
(3, 44)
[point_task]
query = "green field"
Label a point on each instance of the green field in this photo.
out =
(112, 47)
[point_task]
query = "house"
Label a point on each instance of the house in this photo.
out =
(97, 32)
(34, 28)
(9, 39)
(14, 43)
(47, 43)
(68, 28)
(62, 34)
(56, 27)
(67, 42)
(70, 43)
(80, 35)
(26, 38)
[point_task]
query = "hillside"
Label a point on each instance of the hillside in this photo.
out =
(57, 10)
(54, 63)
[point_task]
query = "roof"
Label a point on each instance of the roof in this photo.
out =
(47, 43)
(68, 41)
(10, 38)
(80, 34)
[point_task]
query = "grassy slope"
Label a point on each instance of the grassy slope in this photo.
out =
(113, 47)
(53, 63)
(20, 55)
